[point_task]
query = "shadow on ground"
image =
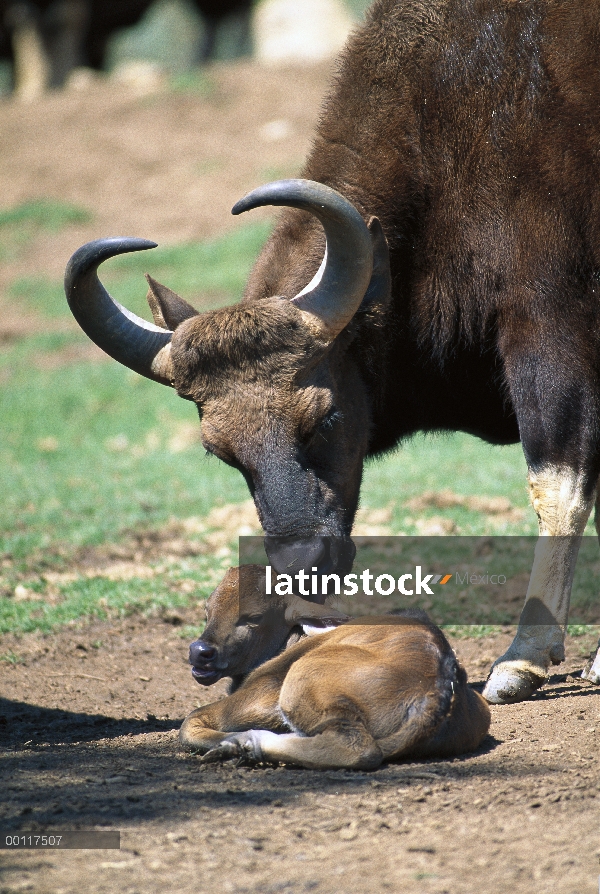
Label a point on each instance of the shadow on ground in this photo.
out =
(22, 723)
(70, 770)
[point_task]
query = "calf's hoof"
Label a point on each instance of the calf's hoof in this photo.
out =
(512, 681)
(224, 751)
(245, 745)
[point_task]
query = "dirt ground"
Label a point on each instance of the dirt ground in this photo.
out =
(90, 719)
(89, 716)
(148, 161)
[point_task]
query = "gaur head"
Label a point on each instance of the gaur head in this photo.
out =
(279, 398)
(245, 627)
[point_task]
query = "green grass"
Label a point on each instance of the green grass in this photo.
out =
(197, 82)
(459, 463)
(191, 631)
(40, 294)
(99, 597)
(21, 224)
(578, 629)
(86, 489)
(208, 274)
(12, 658)
(92, 454)
(45, 214)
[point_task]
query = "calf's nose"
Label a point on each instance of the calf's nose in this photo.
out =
(201, 653)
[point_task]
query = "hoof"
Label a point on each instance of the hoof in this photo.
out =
(510, 682)
(590, 674)
(224, 751)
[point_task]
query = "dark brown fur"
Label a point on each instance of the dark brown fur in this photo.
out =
(470, 129)
(372, 690)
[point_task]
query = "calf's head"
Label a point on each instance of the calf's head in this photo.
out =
(245, 627)
(279, 396)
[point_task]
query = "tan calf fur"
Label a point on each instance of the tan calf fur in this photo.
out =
(374, 689)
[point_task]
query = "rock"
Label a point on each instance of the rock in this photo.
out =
(349, 833)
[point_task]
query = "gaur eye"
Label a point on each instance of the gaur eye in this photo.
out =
(330, 419)
(320, 432)
(326, 424)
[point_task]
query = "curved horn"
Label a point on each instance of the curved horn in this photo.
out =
(129, 339)
(337, 290)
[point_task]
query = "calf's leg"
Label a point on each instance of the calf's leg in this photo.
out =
(254, 704)
(337, 744)
(250, 706)
(329, 729)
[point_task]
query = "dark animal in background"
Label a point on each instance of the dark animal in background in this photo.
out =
(372, 690)
(455, 177)
(213, 12)
(60, 35)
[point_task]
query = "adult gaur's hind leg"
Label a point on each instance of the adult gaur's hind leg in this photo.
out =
(558, 411)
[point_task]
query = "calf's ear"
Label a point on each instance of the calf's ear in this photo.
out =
(168, 309)
(298, 611)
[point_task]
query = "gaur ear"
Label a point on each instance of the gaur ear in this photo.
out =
(380, 287)
(168, 309)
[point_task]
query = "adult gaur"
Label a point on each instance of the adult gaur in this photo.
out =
(46, 39)
(455, 180)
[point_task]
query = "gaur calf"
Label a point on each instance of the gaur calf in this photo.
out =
(374, 689)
